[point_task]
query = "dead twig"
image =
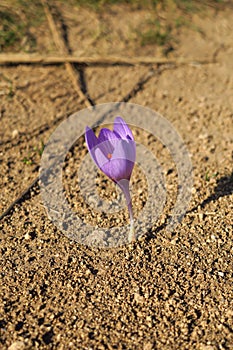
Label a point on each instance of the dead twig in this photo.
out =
(15, 59)
(62, 49)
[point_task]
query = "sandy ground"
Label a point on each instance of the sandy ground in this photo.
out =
(165, 291)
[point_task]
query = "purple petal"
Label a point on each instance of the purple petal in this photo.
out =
(118, 169)
(107, 141)
(114, 152)
(122, 129)
(121, 164)
(106, 134)
(91, 139)
(125, 150)
(100, 157)
(92, 142)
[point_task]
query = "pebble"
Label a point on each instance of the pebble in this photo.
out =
(27, 236)
(206, 347)
(148, 346)
(15, 133)
(139, 298)
(18, 345)
(221, 274)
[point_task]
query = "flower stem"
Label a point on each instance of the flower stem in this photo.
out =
(124, 185)
(131, 236)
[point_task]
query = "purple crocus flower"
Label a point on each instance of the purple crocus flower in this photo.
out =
(114, 152)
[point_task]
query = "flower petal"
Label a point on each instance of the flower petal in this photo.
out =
(92, 143)
(107, 141)
(101, 159)
(122, 129)
(118, 169)
(106, 134)
(91, 139)
(114, 152)
(125, 150)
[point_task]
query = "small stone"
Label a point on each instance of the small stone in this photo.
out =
(148, 346)
(193, 190)
(173, 241)
(15, 133)
(200, 216)
(206, 347)
(27, 236)
(17, 345)
(139, 298)
(221, 274)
